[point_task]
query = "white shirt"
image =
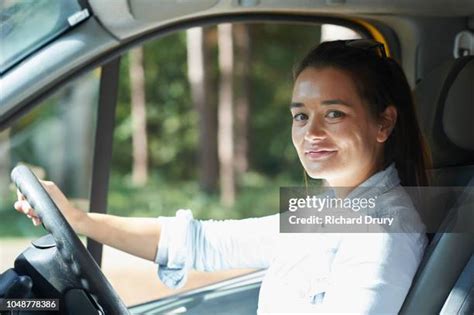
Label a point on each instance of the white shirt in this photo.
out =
(363, 273)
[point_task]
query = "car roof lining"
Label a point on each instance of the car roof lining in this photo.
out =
(126, 17)
(123, 18)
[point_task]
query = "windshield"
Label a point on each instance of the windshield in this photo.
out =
(26, 25)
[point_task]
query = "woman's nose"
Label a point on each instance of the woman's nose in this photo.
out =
(315, 131)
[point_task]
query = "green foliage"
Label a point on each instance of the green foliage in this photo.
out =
(258, 196)
(172, 120)
(14, 224)
(173, 131)
(275, 50)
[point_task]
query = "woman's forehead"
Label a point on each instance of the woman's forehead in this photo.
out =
(324, 83)
(307, 88)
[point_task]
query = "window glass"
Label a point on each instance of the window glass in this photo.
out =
(28, 24)
(172, 145)
(56, 140)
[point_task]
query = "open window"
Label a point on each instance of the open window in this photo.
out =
(203, 123)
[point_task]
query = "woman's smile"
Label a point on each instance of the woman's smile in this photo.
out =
(319, 154)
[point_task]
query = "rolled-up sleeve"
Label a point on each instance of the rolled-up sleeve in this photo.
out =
(209, 245)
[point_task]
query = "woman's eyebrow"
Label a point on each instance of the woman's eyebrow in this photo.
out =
(296, 105)
(336, 101)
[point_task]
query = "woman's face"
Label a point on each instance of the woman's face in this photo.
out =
(335, 136)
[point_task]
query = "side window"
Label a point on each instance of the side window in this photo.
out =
(56, 139)
(203, 123)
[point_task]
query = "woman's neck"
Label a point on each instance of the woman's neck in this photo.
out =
(343, 186)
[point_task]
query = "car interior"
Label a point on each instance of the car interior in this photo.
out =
(448, 261)
(421, 35)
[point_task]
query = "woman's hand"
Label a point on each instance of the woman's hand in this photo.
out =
(137, 236)
(72, 214)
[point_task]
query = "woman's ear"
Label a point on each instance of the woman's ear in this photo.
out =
(387, 121)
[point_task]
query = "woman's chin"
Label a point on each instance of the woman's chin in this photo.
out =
(319, 169)
(318, 172)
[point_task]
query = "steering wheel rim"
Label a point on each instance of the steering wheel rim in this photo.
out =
(68, 244)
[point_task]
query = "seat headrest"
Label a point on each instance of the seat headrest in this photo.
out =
(445, 101)
(458, 116)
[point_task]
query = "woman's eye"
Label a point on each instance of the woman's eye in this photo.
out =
(335, 114)
(300, 117)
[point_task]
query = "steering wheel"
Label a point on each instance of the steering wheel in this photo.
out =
(71, 249)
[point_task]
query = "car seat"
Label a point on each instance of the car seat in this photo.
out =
(445, 99)
(461, 298)
(444, 281)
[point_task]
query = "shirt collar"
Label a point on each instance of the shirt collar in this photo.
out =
(378, 183)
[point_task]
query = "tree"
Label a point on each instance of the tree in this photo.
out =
(198, 76)
(139, 134)
(225, 115)
(242, 71)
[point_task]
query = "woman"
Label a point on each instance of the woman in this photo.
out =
(354, 126)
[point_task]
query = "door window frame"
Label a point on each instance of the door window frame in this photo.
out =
(110, 63)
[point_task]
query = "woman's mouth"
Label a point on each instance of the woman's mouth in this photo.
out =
(319, 154)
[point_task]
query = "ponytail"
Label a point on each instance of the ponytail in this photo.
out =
(406, 146)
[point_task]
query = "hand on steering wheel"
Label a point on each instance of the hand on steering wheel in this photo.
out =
(71, 214)
(71, 249)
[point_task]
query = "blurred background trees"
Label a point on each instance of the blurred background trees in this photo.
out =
(217, 106)
(138, 117)
(202, 122)
(199, 48)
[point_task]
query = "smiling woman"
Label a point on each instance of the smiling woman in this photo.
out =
(367, 108)
(346, 133)
(333, 132)
(352, 123)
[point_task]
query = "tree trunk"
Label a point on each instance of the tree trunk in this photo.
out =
(225, 115)
(139, 135)
(243, 65)
(198, 76)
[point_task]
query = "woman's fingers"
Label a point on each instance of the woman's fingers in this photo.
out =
(20, 195)
(36, 221)
(24, 207)
(19, 206)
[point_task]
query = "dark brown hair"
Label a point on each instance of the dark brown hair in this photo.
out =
(380, 82)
